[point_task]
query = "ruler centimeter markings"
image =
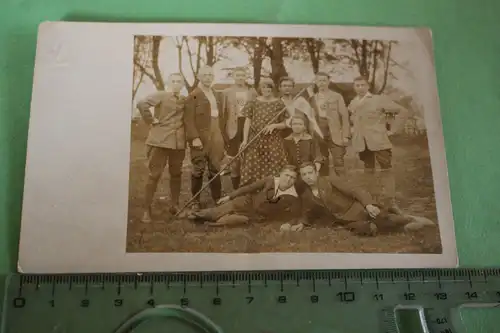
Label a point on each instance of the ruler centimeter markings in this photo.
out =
(253, 302)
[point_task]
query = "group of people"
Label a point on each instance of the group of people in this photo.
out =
(277, 149)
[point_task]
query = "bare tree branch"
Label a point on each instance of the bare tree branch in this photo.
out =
(354, 45)
(136, 88)
(190, 53)
(144, 70)
(198, 61)
(374, 63)
(386, 69)
(160, 85)
(179, 45)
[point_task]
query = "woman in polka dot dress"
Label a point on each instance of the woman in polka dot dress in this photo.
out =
(265, 156)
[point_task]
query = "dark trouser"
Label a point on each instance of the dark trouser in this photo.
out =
(383, 157)
(383, 185)
(233, 146)
(157, 161)
(232, 149)
(327, 147)
(385, 221)
(201, 161)
(240, 205)
(284, 208)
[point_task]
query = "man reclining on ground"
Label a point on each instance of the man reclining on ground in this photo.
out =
(271, 198)
(331, 201)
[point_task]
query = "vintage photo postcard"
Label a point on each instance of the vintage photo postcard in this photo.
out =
(209, 147)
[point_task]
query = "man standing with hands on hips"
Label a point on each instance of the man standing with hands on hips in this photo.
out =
(166, 141)
(204, 124)
(370, 138)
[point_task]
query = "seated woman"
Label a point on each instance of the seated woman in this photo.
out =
(300, 146)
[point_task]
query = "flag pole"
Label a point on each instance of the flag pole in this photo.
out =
(238, 154)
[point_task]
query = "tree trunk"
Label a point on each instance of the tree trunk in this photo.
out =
(159, 83)
(210, 51)
(258, 56)
(363, 65)
(313, 50)
(386, 68)
(278, 69)
(137, 85)
(373, 79)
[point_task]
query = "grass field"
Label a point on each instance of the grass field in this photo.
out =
(414, 192)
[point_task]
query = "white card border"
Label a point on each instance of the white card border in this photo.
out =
(74, 217)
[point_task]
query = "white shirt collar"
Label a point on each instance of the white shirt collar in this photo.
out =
(289, 191)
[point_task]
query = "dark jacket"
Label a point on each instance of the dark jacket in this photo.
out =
(338, 199)
(197, 116)
(169, 110)
(263, 191)
(337, 117)
(306, 149)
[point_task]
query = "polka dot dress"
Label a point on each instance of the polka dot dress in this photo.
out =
(265, 156)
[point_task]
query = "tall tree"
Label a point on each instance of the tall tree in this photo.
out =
(255, 47)
(276, 54)
(209, 50)
(182, 44)
(159, 82)
(200, 51)
(141, 55)
(314, 47)
(372, 58)
(146, 57)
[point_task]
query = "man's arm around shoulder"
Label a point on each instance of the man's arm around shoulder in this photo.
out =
(250, 188)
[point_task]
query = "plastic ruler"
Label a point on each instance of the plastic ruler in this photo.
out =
(364, 301)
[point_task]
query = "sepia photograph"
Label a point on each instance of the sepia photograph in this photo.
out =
(272, 144)
(231, 147)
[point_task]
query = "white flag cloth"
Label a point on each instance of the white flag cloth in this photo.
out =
(301, 104)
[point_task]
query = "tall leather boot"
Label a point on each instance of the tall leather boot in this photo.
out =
(371, 183)
(196, 186)
(388, 186)
(235, 173)
(175, 191)
(235, 180)
(149, 193)
(216, 188)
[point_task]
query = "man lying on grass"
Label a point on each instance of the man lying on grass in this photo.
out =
(328, 201)
(271, 199)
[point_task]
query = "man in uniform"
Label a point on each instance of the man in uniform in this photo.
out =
(371, 138)
(166, 140)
